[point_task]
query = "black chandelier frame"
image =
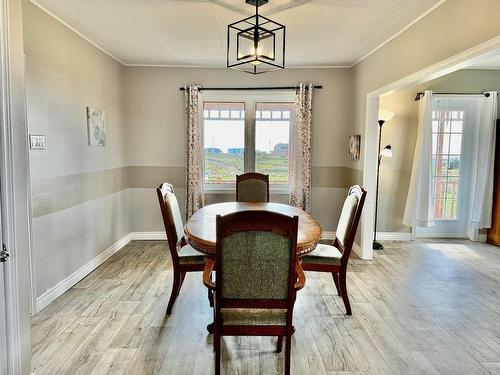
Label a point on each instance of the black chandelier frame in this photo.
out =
(256, 32)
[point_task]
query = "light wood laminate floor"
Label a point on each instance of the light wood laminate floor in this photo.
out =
(428, 307)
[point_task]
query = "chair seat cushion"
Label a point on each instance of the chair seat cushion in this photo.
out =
(323, 254)
(188, 255)
(243, 317)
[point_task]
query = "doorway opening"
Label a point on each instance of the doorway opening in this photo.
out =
(376, 100)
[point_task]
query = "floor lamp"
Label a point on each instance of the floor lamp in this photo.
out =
(383, 117)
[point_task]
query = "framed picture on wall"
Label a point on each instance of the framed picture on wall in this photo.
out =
(96, 127)
(354, 146)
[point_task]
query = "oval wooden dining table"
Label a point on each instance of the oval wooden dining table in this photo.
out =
(201, 232)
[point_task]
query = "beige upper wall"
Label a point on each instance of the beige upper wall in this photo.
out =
(401, 133)
(64, 75)
(156, 110)
(455, 26)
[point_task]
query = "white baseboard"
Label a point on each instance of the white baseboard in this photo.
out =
(60, 288)
(443, 235)
(357, 250)
(159, 235)
(394, 236)
(162, 236)
(387, 236)
(145, 236)
(328, 236)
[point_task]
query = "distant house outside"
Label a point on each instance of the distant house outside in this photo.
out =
(281, 149)
(236, 151)
(213, 150)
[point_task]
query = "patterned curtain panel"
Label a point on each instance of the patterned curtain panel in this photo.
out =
(194, 147)
(300, 174)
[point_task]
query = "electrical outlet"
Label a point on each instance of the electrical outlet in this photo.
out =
(37, 142)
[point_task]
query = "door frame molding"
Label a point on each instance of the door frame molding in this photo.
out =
(456, 62)
(14, 182)
(6, 196)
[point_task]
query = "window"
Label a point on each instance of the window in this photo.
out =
(236, 142)
(224, 141)
(447, 128)
(272, 138)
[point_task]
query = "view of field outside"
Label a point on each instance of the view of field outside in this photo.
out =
(447, 129)
(272, 137)
(224, 141)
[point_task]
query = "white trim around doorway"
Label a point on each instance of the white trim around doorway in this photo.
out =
(447, 66)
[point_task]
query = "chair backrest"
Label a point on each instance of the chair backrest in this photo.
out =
(256, 260)
(252, 187)
(172, 219)
(349, 220)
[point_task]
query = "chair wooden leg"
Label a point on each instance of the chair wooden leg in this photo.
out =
(210, 298)
(288, 348)
(217, 349)
(343, 288)
(335, 276)
(279, 345)
(183, 275)
(175, 291)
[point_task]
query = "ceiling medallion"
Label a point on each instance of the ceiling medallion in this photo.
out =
(256, 44)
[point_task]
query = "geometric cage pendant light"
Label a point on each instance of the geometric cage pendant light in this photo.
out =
(256, 44)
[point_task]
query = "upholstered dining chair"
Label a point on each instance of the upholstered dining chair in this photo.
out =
(184, 257)
(257, 277)
(334, 258)
(252, 187)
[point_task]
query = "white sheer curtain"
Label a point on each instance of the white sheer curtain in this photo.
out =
(485, 163)
(194, 159)
(418, 208)
(300, 172)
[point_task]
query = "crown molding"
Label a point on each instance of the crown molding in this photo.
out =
(431, 9)
(102, 49)
(481, 68)
(224, 67)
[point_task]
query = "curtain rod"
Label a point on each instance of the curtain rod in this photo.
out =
(421, 94)
(248, 88)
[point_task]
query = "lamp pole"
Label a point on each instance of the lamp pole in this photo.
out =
(378, 245)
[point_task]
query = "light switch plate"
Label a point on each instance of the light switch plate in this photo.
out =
(37, 142)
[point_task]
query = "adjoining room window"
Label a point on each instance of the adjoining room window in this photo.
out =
(447, 128)
(224, 141)
(238, 141)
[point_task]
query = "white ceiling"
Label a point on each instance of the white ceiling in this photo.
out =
(193, 32)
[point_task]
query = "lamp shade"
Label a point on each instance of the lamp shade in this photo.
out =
(387, 152)
(385, 115)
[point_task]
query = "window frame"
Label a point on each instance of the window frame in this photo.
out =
(250, 100)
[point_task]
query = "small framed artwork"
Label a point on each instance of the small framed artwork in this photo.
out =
(354, 146)
(96, 127)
